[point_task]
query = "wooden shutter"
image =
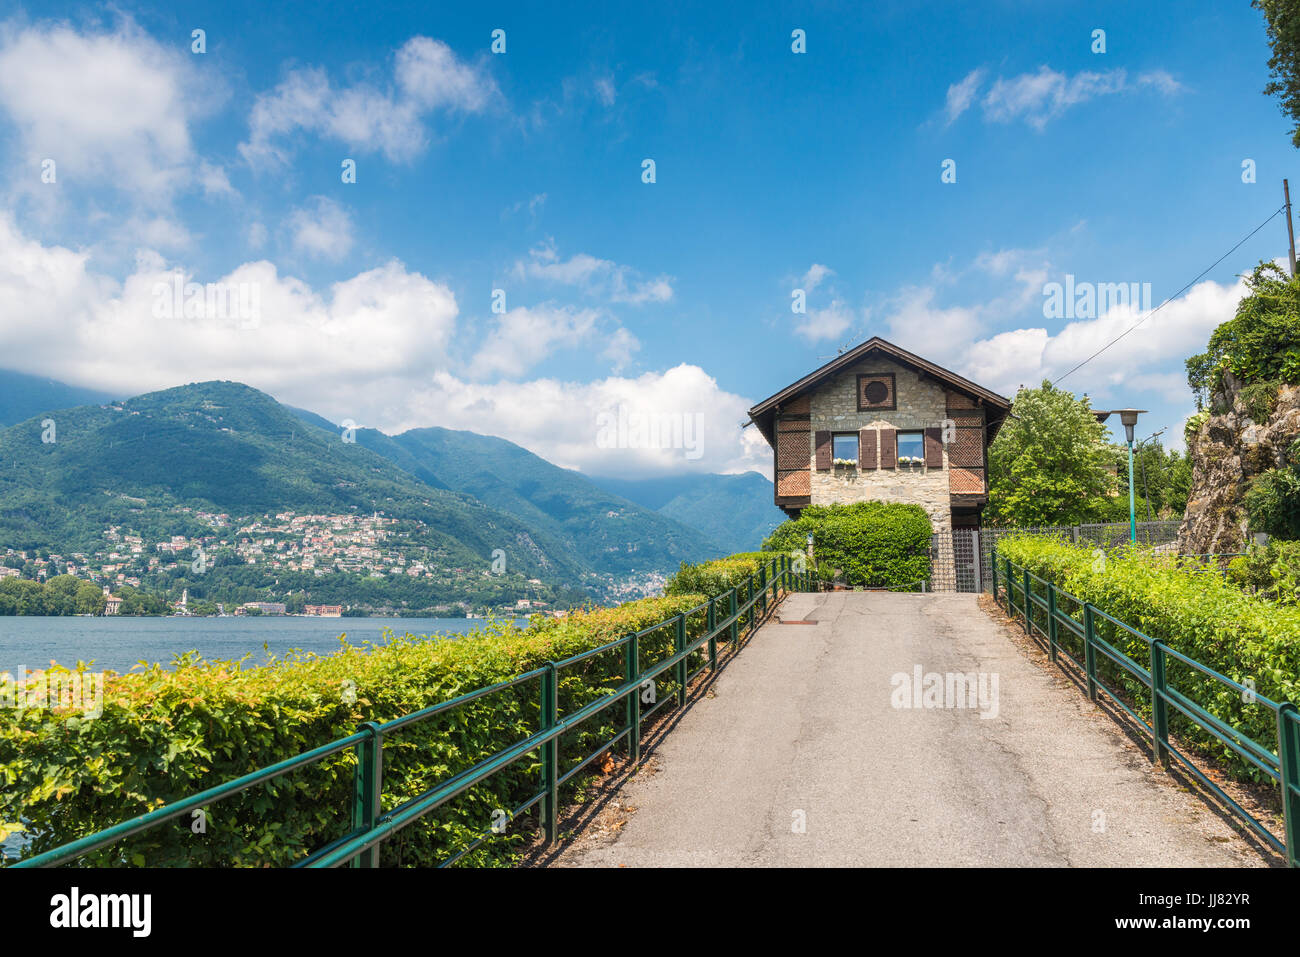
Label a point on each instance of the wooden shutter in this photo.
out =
(823, 451)
(867, 449)
(888, 449)
(933, 448)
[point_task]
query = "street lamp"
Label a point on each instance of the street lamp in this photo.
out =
(1129, 417)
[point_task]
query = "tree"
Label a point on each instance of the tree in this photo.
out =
(1260, 344)
(1168, 480)
(1047, 465)
(1282, 23)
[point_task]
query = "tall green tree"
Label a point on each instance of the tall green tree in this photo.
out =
(1282, 23)
(1048, 463)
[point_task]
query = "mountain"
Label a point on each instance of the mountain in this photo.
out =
(173, 463)
(734, 510)
(614, 533)
(23, 396)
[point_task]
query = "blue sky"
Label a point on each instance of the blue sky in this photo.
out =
(523, 171)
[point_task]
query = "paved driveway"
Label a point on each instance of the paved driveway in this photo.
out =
(810, 753)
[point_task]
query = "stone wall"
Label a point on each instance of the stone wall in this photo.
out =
(921, 404)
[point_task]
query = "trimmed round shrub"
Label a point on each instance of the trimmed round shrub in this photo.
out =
(871, 544)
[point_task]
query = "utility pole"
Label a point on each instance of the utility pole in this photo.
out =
(1290, 232)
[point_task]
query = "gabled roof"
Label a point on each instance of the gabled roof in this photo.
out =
(998, 406)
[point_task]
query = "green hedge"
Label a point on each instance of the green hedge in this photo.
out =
(873, 544)
(164, 735)
(714, 578)
(1192, 609)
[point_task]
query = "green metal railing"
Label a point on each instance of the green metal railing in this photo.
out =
(747, 602)
(1054, 613)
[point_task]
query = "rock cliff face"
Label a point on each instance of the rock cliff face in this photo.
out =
(1228, 450)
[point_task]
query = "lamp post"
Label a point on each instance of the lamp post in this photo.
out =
(1129, 417)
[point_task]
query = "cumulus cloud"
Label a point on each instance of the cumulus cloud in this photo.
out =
(379, 348)
(390, 118)
(66, 321)
(109, 107)
(596, 277)
(1147, 359)
(828, 323)
(674, 420)
(525, 336)
(321, 229)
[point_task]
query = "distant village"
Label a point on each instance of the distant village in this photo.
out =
(307, 543)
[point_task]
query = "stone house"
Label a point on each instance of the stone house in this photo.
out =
(880, 423)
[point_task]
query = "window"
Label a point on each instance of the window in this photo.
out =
(911, 448)
(845, 447)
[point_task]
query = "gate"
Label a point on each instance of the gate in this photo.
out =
(955, 560)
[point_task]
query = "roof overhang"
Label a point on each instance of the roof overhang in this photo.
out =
(996, 407)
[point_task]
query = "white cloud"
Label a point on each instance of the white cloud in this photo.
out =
(525, 336)
(1147, 359)
(75, 325)
(1038, 97)
(962, 94)
(108, 107)
(596, 277)
(828, 323)
(560, 421)
(376, 348)
(605, 91)
(620, 348)
(427, 77)
(814, 276)
(323, 229)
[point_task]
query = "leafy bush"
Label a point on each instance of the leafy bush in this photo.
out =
(164, 735)
(1260, 399)
(1192, 609)
(1271, 571)
(716, 577)
(873, 544)
(1272, 498)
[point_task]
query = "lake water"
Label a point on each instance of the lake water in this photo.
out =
(116, 644)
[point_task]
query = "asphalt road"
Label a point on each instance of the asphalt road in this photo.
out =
(808, 755)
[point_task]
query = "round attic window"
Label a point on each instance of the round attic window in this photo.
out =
(877, 392)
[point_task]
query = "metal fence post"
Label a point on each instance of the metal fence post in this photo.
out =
(762, 584)
(1288, 752)
(369, 785)
(993, 563)
(679, 645)
(1051, 622)
(550, 752)
(713, 638)
(1159, 707)
(631, 676)
(1029, 627)
(735, 623)
(1089, 652)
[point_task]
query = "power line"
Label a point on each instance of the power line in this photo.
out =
(1171, 298)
